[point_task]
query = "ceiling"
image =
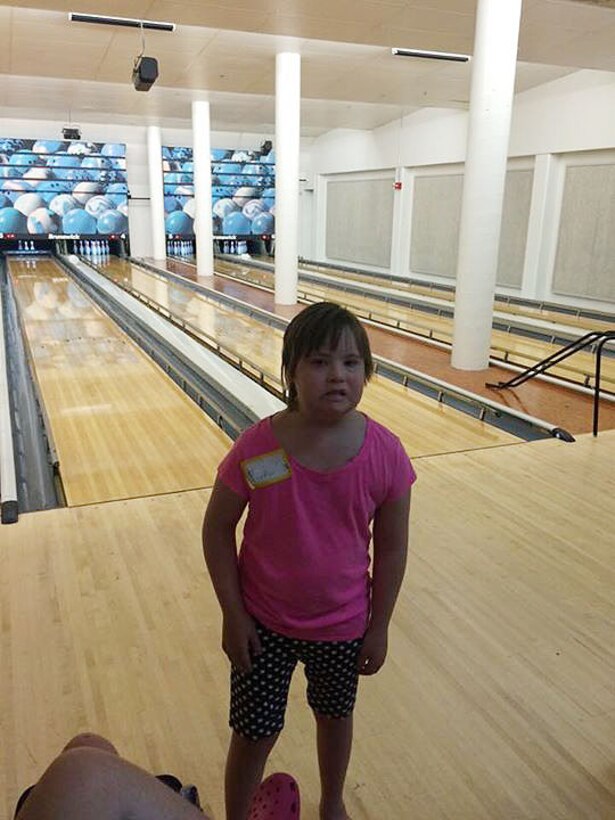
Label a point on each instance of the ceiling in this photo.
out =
(224, 51)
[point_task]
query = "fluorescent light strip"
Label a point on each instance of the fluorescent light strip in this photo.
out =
(128, 22)
(430, 55)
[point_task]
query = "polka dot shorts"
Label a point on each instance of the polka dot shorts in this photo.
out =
(258, 698)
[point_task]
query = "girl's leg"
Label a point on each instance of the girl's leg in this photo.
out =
(244, 771)
(334, 738)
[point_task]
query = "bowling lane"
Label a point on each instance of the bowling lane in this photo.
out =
(424, 426)
(581, 323)
(121, 427)
(516, 349)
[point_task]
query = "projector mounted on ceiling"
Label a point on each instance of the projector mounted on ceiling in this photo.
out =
(69, 132)
(144, 72)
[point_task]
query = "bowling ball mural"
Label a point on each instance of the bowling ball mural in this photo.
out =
(58, 187)
(242, 192)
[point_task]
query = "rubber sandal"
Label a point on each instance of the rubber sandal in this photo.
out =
(277, 798)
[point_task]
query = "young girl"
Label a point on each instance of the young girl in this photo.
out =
(314, 478)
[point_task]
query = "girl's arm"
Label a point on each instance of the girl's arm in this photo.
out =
(390, 553)
(239, 637)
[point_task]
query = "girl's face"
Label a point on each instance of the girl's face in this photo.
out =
(329, 382)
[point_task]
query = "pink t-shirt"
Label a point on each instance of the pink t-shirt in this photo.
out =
(304, 559)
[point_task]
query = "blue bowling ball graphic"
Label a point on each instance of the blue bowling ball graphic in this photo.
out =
(5, 202)
(226, 168)
(85, 190)
(81, 175)
(171, 204)
(95, 162)
(112, 222)
(166, 152)
(63, 161)
(78, 221)
(63, 203)
(12, 221)
(181, 153)
(53, 187)
(219, 153)
(9, 146)
(16, 186)
(43, 221)
(27, 203)
(269, 158)
(178, 222)
(114, 149)
(98, 204)
(108, 177)
(188, 167)
(177, 178)
(24, 158)
(223, 207)
(253, 208)
(47, 146)
(117, 192)
(236, 223)
(221, 191)
(263, 223)
(81, 148)
(38, 173)
(6, 172)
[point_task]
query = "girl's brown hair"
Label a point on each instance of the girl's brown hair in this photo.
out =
(316, 326)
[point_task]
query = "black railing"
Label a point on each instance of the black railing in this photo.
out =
(594, 337)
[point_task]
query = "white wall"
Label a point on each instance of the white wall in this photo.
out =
(575, 113)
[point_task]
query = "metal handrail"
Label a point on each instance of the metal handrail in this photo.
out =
(599, 338)
(608, 336)
(555, 358)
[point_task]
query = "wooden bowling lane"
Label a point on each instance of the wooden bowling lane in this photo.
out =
(496, 700)
(121, 427)
(514, 348)
(423, 425)
(544, 313)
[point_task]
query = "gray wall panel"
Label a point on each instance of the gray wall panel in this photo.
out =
(585, 260)
(360, 221)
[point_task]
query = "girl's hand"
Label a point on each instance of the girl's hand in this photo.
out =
(373, 651)
(240, 640)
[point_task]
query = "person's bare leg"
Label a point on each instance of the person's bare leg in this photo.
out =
(334, 739)
(92, 741)
(244, 771)
(91, 784)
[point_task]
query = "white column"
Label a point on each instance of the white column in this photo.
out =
(201, 154)
(287, 130)
(492, 90)
(156, 195)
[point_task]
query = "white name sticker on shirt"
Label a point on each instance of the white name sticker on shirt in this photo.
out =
(270, 468)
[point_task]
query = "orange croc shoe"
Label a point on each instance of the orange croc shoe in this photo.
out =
(277, 798)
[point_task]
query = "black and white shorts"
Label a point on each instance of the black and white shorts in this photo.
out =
(258, 698)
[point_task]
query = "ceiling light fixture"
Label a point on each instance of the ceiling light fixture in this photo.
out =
(430, 55)
(128, 22)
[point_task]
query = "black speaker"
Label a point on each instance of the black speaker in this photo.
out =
(144, 73)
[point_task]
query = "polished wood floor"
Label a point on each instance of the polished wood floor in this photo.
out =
(121, 427)
(423, 425)
(498, 698)
(554, 403)
(538, 311)
(510, 347)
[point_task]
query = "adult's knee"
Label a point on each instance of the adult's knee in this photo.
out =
(92, 741)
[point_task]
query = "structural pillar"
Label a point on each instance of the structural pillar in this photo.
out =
(493, 79)
(201, 155)
(156, 195)
(287, 144)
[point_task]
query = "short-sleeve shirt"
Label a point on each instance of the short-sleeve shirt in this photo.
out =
(304, 559)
